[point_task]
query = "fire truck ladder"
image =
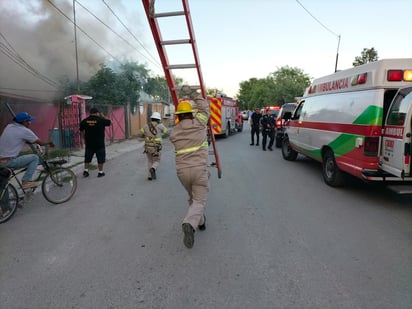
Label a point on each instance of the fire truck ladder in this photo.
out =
(152, 16)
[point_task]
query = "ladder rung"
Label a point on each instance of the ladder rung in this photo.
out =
(169, 14)
(174, 42)
(192, 87)
(181, 66)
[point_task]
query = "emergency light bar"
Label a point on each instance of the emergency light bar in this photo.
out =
(339, 84)
(359, 79)
(407, 75)
(399, 75)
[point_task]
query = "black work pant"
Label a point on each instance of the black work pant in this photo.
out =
(255, 130)
(265, 135)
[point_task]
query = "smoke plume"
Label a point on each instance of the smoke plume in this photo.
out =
(42, 36)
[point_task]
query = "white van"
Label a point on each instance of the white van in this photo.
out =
(340, 122)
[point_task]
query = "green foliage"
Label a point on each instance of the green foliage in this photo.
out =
(289, 84)
(101, 86)
(279, 87)
(367, 55)
(131, 80)
(124, 84)
(157, 87)
(108, 87)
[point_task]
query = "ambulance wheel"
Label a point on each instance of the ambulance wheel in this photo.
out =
(278, 142)
(287, 152)
(332, 175)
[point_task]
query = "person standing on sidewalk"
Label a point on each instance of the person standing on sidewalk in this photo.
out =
(152, 134)
(255, 126)
(92, 131)
(189, 138)
(12, 141)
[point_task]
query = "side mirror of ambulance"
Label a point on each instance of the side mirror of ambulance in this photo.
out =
(287, 115)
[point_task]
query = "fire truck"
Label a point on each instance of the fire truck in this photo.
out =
(224, 116)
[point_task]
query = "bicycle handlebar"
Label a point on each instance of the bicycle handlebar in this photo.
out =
(38, 150)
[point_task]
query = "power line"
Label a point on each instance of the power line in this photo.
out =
(84, 32)
(111, 29)
(137, 40)
(320, 23)
(30, 90)
(25, 97)
(338, 36)
(10, 52)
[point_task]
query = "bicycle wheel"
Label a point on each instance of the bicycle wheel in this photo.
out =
(9, 203)
(59, 185)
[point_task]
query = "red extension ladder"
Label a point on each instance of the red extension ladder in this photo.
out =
(161, 44)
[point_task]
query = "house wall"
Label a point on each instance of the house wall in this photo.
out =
(140, 118)
(47, 126)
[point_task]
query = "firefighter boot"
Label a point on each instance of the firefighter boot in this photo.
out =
(153, 173)
(189, 237)
(202, 227)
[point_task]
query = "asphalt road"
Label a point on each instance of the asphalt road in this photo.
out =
(276, 237)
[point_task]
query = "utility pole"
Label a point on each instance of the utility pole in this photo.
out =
(337, 55)
(75, 46)
(77, 67)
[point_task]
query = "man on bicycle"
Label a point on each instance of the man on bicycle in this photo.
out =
(12, 141)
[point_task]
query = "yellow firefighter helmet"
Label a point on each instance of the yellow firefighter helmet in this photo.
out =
(184, 107)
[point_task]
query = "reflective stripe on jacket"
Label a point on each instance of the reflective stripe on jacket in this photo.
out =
(192, 149)
(152, 140)
(202, 117)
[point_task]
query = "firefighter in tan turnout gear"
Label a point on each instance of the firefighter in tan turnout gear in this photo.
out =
(191, 147)
(152, 134)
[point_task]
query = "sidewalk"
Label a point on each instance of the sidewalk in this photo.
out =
(112, 151)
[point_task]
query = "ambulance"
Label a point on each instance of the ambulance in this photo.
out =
(357, 121)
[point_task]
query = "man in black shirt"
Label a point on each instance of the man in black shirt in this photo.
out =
(92, 131)
(255, 124)
(268, 122)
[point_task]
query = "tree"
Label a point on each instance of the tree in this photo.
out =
(101, 86)
(157, 88)
(108, 87)
(255, 93)
(279, 87)
(251, 93)
(289, 84)
(131, 79)
(367, 55)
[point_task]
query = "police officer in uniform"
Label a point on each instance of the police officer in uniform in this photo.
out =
(255, 126)
(152, 134)
(268, 122)
(189, 137)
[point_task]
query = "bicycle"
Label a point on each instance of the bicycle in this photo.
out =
(58, 184)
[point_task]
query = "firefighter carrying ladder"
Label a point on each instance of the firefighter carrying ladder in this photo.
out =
(152, 16)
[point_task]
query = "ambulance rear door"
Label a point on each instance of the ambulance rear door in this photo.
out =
(397, 135)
